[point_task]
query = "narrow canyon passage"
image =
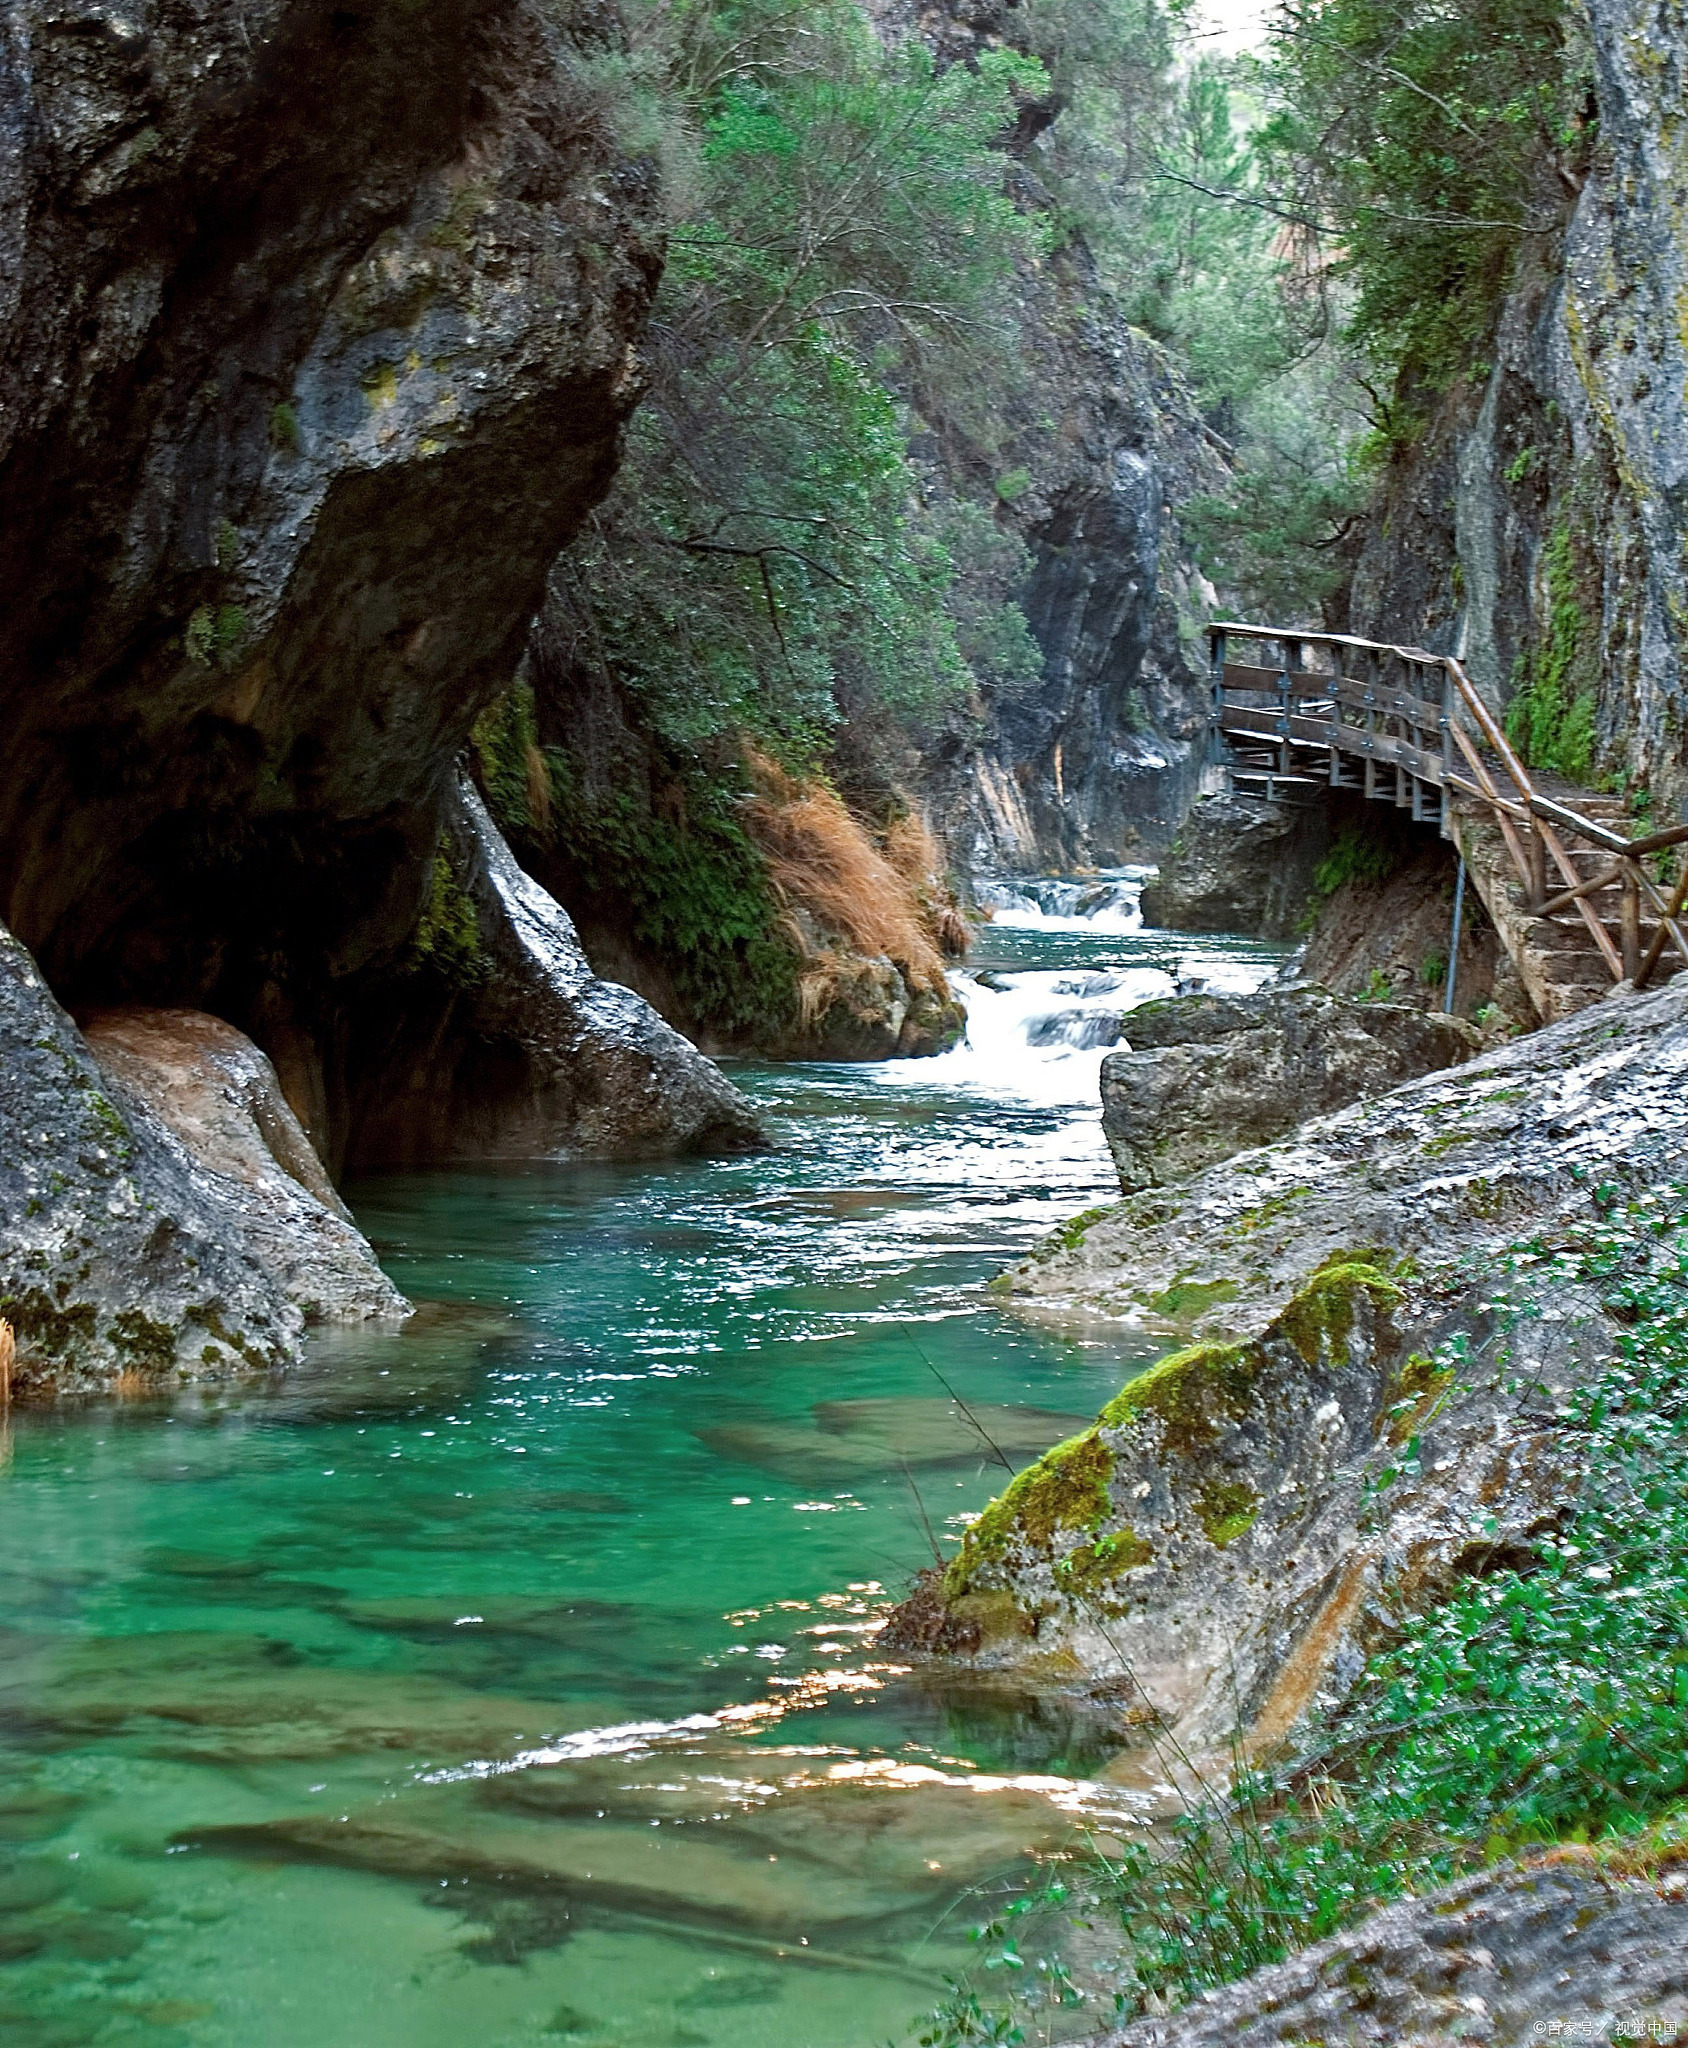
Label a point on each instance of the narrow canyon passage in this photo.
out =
(512, 1679)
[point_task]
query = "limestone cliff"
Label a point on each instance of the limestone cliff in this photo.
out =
(1099, 444)
(313, 358)
(1538, 528)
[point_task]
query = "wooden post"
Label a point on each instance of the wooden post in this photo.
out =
(1447, 729)
(1292, 652)
(1629, 933)
(1535, 846)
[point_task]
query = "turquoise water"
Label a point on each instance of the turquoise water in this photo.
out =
(512, 1679)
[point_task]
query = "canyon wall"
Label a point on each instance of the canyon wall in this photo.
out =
(312, 357)
(1538, 526)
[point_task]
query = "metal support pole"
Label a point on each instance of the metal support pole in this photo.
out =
(1453, 947)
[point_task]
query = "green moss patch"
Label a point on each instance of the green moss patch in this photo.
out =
(448, 936)
(1184, 1300)
(1319, 1320)
(1093, 1567)
(1226, 1510)
(1066, 1489)
(1417, 1392)
(1074, 1231)
(1191, 1392)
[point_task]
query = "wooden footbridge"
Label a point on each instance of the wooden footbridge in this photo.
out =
(1580, 904)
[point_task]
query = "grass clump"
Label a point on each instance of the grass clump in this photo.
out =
(215, 634)
(1362, 853)
(1539, 1705)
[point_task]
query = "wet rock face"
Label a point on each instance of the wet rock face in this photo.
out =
(1551, 1951)
(517, 1050)
(164, 1246)
(1204, 1077)
(315, 353)
(1238, 864)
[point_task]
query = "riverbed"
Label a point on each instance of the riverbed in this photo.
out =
(512, 1679)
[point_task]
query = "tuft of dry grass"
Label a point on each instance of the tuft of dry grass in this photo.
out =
(822, 861)
(536, 774)
(8, 1359)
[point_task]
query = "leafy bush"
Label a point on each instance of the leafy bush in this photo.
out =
(1418, 141)
(767, 554)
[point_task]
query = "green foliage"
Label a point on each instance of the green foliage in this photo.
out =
(215, 634)
(1198, 259)
(1418, 140)
(768, 558)
(1537, 1705)
(285, 434)
(447, 940)
(1433, 969)
(1551, 719)
(514, 774)
(693, 889)
(1361, 853)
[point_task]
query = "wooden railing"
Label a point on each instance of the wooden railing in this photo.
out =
(1405, 726)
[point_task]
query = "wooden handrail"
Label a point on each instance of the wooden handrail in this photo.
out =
(1527, 807)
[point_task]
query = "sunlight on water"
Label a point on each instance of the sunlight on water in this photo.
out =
(512, 1680)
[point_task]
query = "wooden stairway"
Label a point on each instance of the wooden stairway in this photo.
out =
(1575, 899)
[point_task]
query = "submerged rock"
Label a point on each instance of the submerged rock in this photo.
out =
(1557, 1950)
(212, 1087)
(1205, 1076)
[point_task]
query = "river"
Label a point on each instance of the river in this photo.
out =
(512, 1680)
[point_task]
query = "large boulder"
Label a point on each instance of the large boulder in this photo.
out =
(217, 1093)
(1238, 864)
(1238, 1528)
(157, 1250)
(312, 357)
(1205, 1076)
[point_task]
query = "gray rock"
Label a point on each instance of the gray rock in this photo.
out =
(119, 1253)
(1552, 1951)
(1236, 1532)
(312, 357)
(213, 1088)
(1239, 864)
(1444, 1167)
(1205, 1076)
(1084, 1029)
(1580, 429)
(538, 1058)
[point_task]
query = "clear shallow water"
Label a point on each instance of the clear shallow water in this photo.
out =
(512, 1680)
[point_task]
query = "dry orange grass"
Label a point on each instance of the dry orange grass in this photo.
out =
(821, 860)
(8, 1360)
